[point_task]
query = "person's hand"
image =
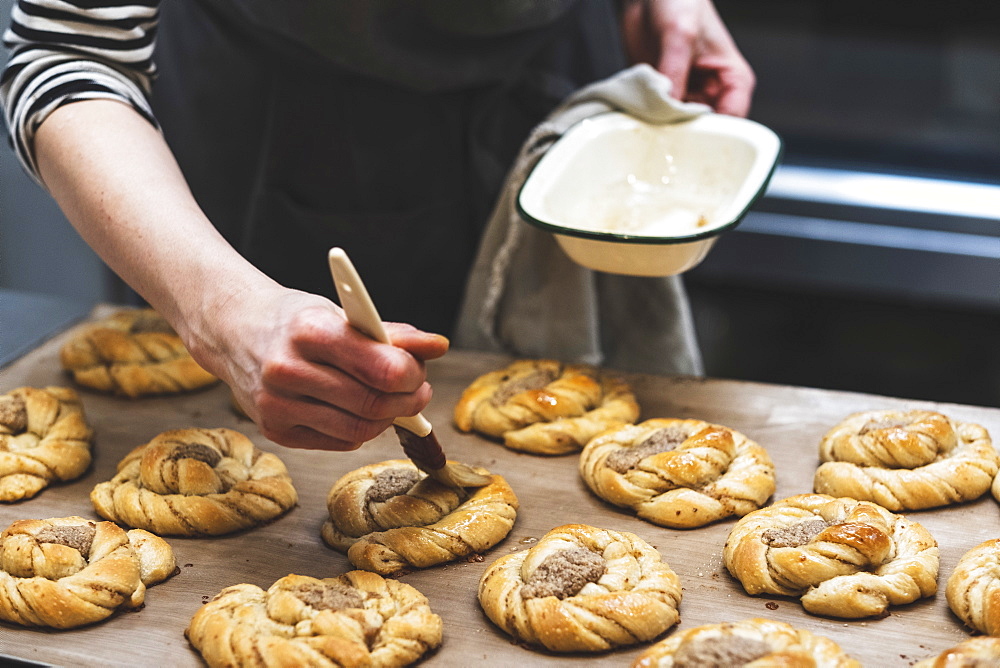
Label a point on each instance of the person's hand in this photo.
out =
(306, 377)
(688, 42)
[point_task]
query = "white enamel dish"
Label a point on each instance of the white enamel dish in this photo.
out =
(627, 197)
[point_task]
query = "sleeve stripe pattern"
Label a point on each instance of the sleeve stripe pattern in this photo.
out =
(97, 17)
(69, 50)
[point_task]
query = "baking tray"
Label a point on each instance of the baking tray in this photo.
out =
(788, 421)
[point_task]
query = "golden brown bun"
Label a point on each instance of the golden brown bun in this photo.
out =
(44, 436)
(422, 523)
(545, 407)
(582, 589)
(133, 353)
(69, 571)
(906, 460)
(751, 643)
(972, 653)
(678, 473)
(974, 588)
(357, 619)
(845, 558)
(996, 487)
(196, 482)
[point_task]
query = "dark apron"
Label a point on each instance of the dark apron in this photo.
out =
(290, 155)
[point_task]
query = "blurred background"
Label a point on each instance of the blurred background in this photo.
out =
(873, 262)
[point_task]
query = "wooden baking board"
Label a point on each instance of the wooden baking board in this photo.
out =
(788, 421)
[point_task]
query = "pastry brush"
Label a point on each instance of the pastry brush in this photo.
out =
(415, 433)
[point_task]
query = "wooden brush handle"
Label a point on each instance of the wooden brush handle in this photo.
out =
(363, 316)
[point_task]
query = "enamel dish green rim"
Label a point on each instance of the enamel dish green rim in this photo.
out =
(769, 149)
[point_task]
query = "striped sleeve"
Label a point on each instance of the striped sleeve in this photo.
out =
(69, 50)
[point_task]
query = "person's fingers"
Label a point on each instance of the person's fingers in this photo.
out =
(422, 345)
(687, 41)
(298, 422)
(674, 32)
(735, 92)
(733, 101)
(637, 35)
(678, 41)
(332, 342)
(727, 89)
(309, 379)
(329, 380)
(729, 82)
(329, 385)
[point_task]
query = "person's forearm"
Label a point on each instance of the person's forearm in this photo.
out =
(292, 361)
(117, 182)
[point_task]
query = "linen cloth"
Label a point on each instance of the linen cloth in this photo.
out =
(526, 298)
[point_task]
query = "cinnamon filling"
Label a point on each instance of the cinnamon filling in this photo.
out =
(794, 535)
(721, 652)
(564, 573)
(13, 414)
(390, 483)
(202, 453)
(329, 596)
(80, 537)
(535, 380)
(661, 440)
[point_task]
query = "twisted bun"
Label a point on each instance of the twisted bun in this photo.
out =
(678, 473)
(44, 436)
(544, 407)
(133, 353)
(754, 642)
(390, 515)
(66, 572)
(845, 558)
(582, 589)
(973, 589)
(971, 653)
(357, 619)
(196, 482)
(906, 460)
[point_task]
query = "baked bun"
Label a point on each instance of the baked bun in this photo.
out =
(196, 482)
(545, 407)
(751, 642)
(390, 516)
(357, 619)
(44, 437)
(981, 652)
(582, 589)
(845, 558)
(906, 460)
(69, 571)
(133, 353)
(678, 473)
(973, 589)
(996, 487)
